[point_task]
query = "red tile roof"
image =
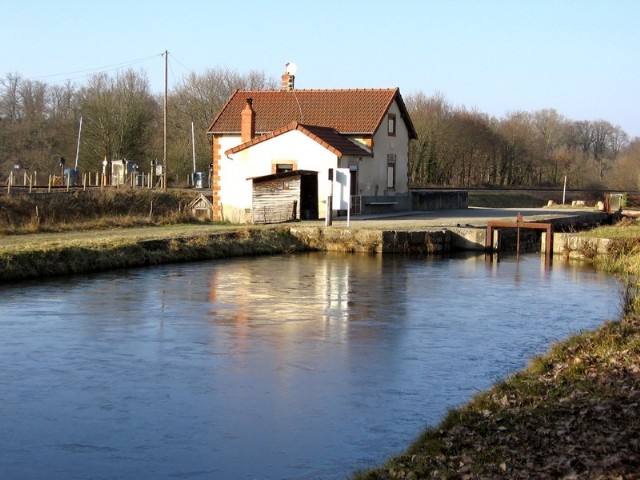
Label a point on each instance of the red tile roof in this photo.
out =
(326, 136)
(353, 112)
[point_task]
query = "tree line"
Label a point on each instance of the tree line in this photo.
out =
(459, 147)
(121, 120)
(456, 147)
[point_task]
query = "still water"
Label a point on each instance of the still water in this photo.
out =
(289, 367)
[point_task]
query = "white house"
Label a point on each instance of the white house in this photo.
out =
(268, 132)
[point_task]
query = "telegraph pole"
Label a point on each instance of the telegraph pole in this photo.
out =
(164, 154)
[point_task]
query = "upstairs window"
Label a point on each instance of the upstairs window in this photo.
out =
(391, 171)
(391, 124)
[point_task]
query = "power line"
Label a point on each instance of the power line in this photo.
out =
(81, 73)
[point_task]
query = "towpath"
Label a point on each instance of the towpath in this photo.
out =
(470, 217)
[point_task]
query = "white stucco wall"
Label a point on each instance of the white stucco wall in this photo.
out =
(373, 171)
(292, 147)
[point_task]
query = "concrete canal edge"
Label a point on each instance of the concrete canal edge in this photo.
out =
(430, 240)
(68, 258)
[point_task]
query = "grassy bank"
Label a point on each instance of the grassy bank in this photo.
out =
(526, 199)
(92, 209)
(100, 253)
(489, 199)
(572, 413)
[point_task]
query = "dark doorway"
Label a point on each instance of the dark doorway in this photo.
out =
(353, 182)
(309, 196)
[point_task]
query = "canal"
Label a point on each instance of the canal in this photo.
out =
(306, 366)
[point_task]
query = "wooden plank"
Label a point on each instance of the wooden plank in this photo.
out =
(273, 200)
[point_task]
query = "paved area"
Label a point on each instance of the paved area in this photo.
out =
(469, 217)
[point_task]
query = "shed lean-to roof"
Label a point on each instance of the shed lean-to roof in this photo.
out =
(354, 112)
(279, 175)
(327, 137)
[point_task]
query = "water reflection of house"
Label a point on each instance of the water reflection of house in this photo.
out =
(269, 132)
(301, 293)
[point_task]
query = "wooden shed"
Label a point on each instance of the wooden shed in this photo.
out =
(285, 197)
(201, 207)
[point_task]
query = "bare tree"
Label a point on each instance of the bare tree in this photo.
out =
(198, 99)
(625, 173)
(31, 136)
(119, 114)
(550, 128)
(64, 102)
(430, 117)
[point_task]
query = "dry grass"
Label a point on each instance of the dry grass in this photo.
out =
(94, 209)
(573, 414)
(627, 228)
(96, 252)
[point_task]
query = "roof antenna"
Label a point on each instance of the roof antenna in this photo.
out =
(288, 78)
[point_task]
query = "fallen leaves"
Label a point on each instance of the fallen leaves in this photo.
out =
(576, 418)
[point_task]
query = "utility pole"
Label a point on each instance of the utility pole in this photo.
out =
(164, 154)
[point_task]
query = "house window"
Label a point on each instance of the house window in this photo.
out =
(284, 167)
(391, 124)
(391, 171)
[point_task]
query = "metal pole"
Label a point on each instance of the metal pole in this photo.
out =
(564, 189)
(78, 147)
(193, 145)
(164, 156)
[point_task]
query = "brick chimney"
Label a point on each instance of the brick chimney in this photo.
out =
(287, 82)
(288, 76)
(248, 122)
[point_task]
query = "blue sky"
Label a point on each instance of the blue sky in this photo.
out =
(580, 57)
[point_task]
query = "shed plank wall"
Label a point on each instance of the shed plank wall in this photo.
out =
(273, 201)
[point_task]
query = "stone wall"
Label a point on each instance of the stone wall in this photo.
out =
(572, 245)
(423, 200)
